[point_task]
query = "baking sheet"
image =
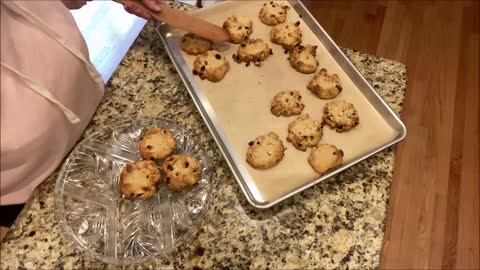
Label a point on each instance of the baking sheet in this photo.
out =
(241, 105)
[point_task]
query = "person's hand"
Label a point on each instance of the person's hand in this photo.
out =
(74, 4)
(154, 5)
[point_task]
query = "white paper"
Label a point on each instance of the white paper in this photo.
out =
(109, 32)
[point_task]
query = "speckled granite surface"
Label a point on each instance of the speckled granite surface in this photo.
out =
(336, 224)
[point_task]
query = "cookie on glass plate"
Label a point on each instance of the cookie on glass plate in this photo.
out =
(139, 180)
(181, 171)
(157, 143)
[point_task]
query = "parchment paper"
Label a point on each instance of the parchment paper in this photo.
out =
(242, 100)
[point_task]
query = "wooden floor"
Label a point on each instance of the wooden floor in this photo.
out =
(433, 217)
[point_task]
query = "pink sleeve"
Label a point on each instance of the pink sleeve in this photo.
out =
(36, 134)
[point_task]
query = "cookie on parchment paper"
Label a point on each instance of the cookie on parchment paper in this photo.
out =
(273, 13)
(340, 115)
(325, 157)
(193, 44)
(302, 58)
(211, 65)
(265, 151)
(288, 35)
(304, 132)
(252, 50)
(239, 28)
(325, 85)
(287, 103)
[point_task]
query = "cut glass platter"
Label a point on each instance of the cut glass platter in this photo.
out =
(96, 219)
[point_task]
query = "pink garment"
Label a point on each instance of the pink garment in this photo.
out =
(40, 41)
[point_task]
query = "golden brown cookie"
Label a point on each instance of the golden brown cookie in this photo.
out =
(288, 35)
(193, 44)
(252, 50)
(302, 58)
(157, 143)
(211, 66)
(273, 13)
(266, 151)
(238, 28)
(139, 180)
(325, 157)
(340, 115)
(287, 103)
(324, 85)
(304, 132)
(181, 171)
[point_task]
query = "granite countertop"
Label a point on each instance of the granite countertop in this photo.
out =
(337, 223)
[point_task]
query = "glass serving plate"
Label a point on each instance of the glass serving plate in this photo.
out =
(94, 216)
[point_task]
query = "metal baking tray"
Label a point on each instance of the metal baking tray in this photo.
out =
(237, 109)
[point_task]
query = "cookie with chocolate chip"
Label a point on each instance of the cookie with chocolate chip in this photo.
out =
(340, 115)
(238, 28)
(265, 151)
(325, 157)
(193, 44)
(302, 58)
(211, 65)
(157, 143)
(252, 50)
(288, 35)
(287, 103)
(181, 171)
(139, 180)
(304, 132)
(325, 85)
(273, 13)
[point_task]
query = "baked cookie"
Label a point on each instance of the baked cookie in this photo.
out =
(324, 85)
(252, 50)
(193, 44)
(139, 180)
(325, 157)
(340, 115)
(211, 65)
(266, 151)
(287, 103)
(286, 34)
(238, 28)
(181, 171)
(273, 13)
(157, 143)
(304, 132)
(302, 58)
